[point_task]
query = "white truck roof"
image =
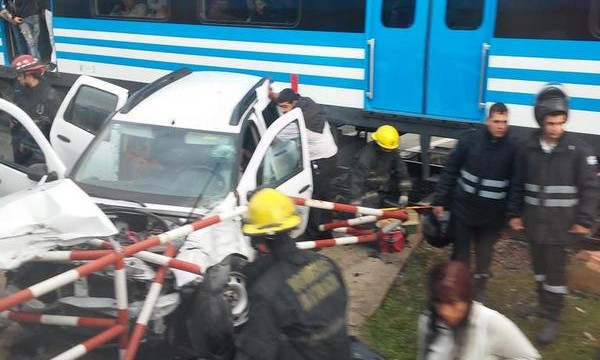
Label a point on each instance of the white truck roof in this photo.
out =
(201, 100)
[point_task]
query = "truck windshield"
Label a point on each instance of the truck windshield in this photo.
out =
(158, 165)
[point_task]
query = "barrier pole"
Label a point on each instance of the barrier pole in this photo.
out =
(337, 241)
(352, 209)
(72, 275)
(60, 320)
(350, 222)
(90, 344)
(144, 317)
(120, 280)
(352, 231)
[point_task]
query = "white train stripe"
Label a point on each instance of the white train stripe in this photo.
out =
(546, 64)
(251, 46)
(533, 87)
(216, 61)
(579, 121)
(353, 98)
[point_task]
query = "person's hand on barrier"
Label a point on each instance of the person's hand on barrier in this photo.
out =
(516, 224)
(579, 230)
(438, 211)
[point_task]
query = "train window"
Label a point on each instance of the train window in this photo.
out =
(464, 14)
(139, 9)
(398, 13)
(548, 19)
(250, 12)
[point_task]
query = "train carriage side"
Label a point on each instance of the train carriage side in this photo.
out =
(431, 67)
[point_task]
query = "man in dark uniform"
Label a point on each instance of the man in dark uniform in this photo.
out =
(297, 297)
(556, 202)
(37, 98)
(474, 187)
(378, 173)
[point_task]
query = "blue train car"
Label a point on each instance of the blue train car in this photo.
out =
(429, 66)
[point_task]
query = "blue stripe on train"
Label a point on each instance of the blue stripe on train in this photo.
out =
(557, 49)
(529, 99)
(235, 54)
(279, 36)
(545, 76)
(284, 77)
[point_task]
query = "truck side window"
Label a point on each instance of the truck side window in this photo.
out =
(90, 107)
(283, 158)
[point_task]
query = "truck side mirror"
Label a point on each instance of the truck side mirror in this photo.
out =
(36, 172)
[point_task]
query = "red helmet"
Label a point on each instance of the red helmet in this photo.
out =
(28, 64)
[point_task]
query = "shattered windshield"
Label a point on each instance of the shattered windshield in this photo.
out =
(158, 165)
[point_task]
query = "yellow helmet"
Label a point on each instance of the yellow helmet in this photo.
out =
(269, 212)
(387, 137)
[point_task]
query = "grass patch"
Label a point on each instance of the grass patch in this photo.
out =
(392, 330)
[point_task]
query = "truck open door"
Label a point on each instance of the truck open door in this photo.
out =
(281, 161)
(26, 156)
(83, 112)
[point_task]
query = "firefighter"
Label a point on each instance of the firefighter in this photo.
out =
(297, 297)
(38, 100)
(556, 202)
(378, 173)
(474, 187)
(33, 94)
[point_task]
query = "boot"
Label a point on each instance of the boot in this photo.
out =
(548, 334)
(480, 295)
(535, 310)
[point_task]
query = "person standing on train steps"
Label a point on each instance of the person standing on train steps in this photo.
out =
(297, 297)
(555, 203)
(322, 151)
(474, 188)
(7, 13)
(27, 17)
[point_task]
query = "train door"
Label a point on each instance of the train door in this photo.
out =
(396, 31)
(457, 57)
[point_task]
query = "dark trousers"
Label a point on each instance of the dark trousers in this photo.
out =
(483, 238)
(548, 262)
(323, 172)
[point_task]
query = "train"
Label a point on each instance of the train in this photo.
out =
(429, 67)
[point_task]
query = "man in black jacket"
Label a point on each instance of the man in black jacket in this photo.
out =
(297, 297)
(555, 201)
(474, 188)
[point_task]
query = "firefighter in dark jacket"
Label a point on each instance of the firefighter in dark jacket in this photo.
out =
(297, 297)
(474, 188)
(37, 98)
(556, 201)
(378, 173)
